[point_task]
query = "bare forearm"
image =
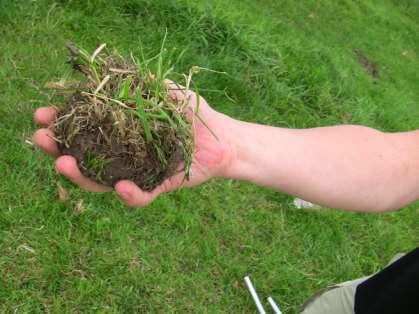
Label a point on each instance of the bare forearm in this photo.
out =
(349, 167)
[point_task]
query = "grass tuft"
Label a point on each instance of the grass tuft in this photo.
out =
(116, 91)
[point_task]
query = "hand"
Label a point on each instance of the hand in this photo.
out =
(212, 155)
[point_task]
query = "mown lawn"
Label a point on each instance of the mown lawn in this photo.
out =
(289, 63)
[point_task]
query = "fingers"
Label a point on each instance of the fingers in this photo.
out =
(173, 85)
(176, 91)
(133, 196)
(45, 115)
(67, 165)
(179, 94)
(43, 138)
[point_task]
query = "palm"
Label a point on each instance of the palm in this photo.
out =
(211, 152)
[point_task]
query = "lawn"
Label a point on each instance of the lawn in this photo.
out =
(289, 63)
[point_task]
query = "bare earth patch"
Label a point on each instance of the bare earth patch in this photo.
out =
(370, 66)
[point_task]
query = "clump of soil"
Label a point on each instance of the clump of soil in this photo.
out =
(120, 123)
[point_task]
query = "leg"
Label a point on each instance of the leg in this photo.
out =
(338, 299)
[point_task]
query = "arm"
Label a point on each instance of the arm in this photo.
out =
(348, 167)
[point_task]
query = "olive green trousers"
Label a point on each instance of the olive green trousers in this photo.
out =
(337, 299)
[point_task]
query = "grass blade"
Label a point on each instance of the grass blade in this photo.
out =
(143, 117)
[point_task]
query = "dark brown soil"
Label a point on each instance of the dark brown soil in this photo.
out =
(107, 151)
(370, 66)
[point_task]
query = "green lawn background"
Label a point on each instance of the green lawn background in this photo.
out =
(290, 64)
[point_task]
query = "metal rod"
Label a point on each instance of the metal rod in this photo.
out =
(254, 295)
(275, 307)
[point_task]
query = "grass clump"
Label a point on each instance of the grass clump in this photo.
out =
(120, 123)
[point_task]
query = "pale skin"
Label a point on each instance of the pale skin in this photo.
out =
(349, 167)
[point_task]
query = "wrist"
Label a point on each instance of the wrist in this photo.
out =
(237, 140)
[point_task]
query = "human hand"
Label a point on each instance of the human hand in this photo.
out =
(213, 151)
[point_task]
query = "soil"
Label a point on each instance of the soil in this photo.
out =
(108, 141)
(107, 155)
(370, 66)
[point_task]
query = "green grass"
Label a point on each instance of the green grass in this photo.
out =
(289, 63)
